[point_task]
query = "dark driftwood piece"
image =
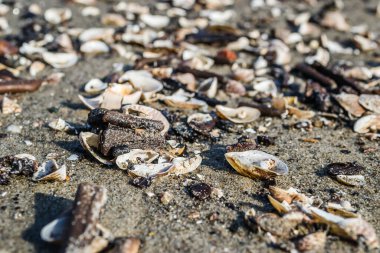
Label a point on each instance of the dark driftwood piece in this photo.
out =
(15, 86)
(83, 234)
(130, 121)
(315, 75)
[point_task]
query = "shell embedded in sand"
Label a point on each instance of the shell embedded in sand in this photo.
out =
(90, 142)
(184, 165)
(135, 156)
(60, 60)
(150, 170)
(256, 164)
(242, 114)
(50, 171)
(367, 123)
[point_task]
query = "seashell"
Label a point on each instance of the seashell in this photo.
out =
(91, 103)
(199, 62)
(351, 180)
(312, 243)
(188, 79)
(201, 122)
(281, 50)
(209, 87)
(149, 113)
(184, 165)
(135, 156)
(60, 60)
(90, 11)
(142, 37)
(240, 44)
(275, 225)
(364, 44)
(149, 86)
(350, 102)
(57, 16)
(300, 114)
(94, 47)
(370, 102)
(90, 142)
(104, 34)
(322, 56)
(150, 170)
(56, 230)
(265, 85)
(343, 209)
(336, 20)
(36, 68)
(235, 87)
(155, 21)
(335, 169)
(360, 73)
(185, 4)
(113, 19)
(281, 207)
(217, 17)
(132, 99)
(65, 42)
(335, 47)
(50, 171)
(9, 106)
(60, 125)
(244, 75)
(256, 164)
(367, 123)
(162, 72)
(238, 115)
(95, 86)
(184, 102)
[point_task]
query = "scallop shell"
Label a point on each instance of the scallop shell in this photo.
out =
(95, 86)
(238, 115)
(94, 47)
(367, 123)
(50, 171)
(149, 113)
(155, 21)
(150, 170)
(57, 16)
(60, 60)
(184, 165)
(256, 164)
(136, 156)
(370, 102)
(350, 103)
(90, 142)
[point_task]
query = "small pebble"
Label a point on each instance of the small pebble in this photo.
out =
(14, 129)
(217, 193)
(28, 143)
(166, 197)
(200, 191)
(73, 157)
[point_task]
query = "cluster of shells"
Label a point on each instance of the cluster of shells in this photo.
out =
(173, 79)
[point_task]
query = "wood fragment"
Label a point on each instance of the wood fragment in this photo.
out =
(315, 75)
(15, 86)
(130, 121)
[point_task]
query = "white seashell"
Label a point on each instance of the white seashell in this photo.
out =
(28, 156)
(370, 102)
(367, 123)
(350, 102)
(218, 17)
(336, 20)
(282, 207)
(364, 44)
(95, 86)
(94, 47)
(36, 68)
(149, 113)
(186, 4)
(135, 156)
(60, 60)
(57, 16)
(55, 231)
(322, 56)
(184, 165)
(281, 50)
(360, 73)
(91, 103)
(342, 208)
(142, 37)
(238, 115)
(240, 44)
(90, 142)
(335, 47)
(148, 85)
(90, 11)
(155, 21)
(9, 106)
(150, 170)
(60, 125)
(265, 85)
(351, 180)
(113, 19)
(181, 101)
(256, 164)
(50, 171)
(209, 87)
(105, 34)
(132, 99)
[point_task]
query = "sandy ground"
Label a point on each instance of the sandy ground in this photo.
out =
(25, 207)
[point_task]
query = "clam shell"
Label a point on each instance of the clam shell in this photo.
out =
(235, 87)
(57, 16)
(336, 20)
(90, 142)
(142, 80)
(149, 113)
(95, 86)
(185, 165)
(209, 87)
(370, 102)
(155, 21)
(150, 170)
(281, 207)
(238, 115)
(97, 33)
(56, 230)
(351, 180)
(135, 156)
(94, 47)
(60, 60)
(50, 171)
(60, 125)
(183, 102)
(350, 103)
(256, 164)
(300, 114)
(91, 103)
(367, 123)
(343, 209)
(132, 99)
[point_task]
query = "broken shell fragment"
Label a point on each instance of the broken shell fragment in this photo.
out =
(183, 102)
(50, 171)
(335, 20)
(55, 231)
(239, 115)
(135, 156)
(184, 165)
(347, 173)
(350, 102)
(94, 86)
(150, 170)
(342, 208)
(155, 21)
(57, 16)
(367, 123)
(351, 180)
(256, 164)
(60, 60)
(94, 47)
(209, 87)
(90, 142)
(201, 122)
(281, 207)
(60, 125)
(9, 106)
(370, 102)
